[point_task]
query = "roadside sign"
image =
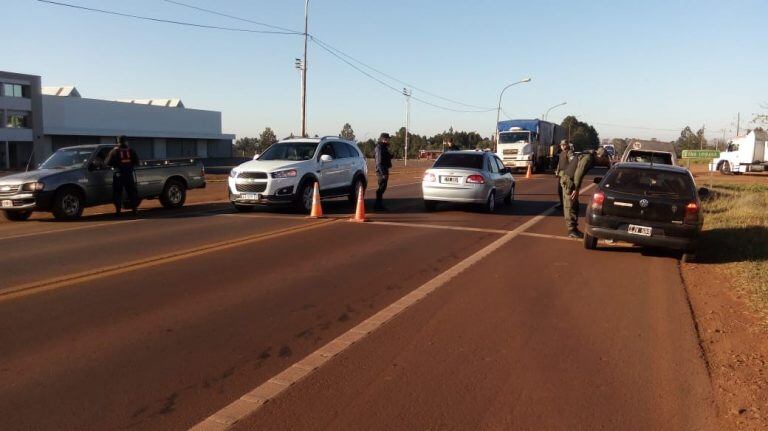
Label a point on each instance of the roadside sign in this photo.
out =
(700, 154)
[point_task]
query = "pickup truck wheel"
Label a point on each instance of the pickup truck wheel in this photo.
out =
(725, 168)
(17, 215)
(68, 204)
(174, 194)
(304, 196)
(590, 242)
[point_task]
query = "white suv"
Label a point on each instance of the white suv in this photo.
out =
(287, 171)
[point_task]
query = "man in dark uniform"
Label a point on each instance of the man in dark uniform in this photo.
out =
(564, 156)
(571, 180)
(123, 160)
(383, 163)
(449, 145)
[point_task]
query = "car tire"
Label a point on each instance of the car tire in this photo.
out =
(68, 204)
(510, 197)
(355, 190)
(590, 242)
(17, 215)
(303, 199)
(490, 204)
(430, 205)
(243, 208)
(174, 194)
(725, 168)
(689, 256)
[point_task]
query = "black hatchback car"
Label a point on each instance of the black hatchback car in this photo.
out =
(648, 205)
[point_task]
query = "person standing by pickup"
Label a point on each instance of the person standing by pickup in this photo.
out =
(571, 179)
(383, 163)
(123, 159)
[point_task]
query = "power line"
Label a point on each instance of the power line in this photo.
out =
(167, 21)
(328, 47)
(638, 127)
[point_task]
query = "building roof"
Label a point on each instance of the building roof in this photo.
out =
(61, 91)
(168, 103)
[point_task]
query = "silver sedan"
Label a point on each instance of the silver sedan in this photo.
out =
(474, 177)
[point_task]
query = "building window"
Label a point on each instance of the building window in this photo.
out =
(16, 90)
(17, 120)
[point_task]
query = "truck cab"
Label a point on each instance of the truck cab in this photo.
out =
(747, 153)
(515, 148)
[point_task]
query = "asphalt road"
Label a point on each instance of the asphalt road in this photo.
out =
(158, 322)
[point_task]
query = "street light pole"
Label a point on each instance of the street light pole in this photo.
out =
(304, 73)
(407, 93)
(498, 108)
(546, 115)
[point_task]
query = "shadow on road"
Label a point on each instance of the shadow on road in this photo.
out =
(727, 245)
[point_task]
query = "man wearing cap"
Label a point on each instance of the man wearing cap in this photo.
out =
(123, 160)
(564, 156)
(383, 163)
(571, 180)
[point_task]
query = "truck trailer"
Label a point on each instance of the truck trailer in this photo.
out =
(744, 154)
(523, 143)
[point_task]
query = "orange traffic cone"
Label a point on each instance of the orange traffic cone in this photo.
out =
(317, 210)
(528, 173)
(360, 210)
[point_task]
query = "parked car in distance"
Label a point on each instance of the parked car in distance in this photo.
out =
(647, 205)
(287, 171)
(475, 177)
(74, 178)
(654, 152)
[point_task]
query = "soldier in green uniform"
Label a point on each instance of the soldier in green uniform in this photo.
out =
(563, 157)
(570, 180)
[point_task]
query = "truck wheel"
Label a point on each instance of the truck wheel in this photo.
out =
(725, 168)
(17, 215)
(174, 194)
(590, 242)
(68, 204)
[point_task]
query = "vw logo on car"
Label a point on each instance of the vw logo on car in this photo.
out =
(644, 203)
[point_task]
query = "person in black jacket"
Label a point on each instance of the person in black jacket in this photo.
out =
(123, 160)
(383, 163)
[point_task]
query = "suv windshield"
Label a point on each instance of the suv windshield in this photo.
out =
(649, 182)
(658, 158)
(453, 160)
(67, 158)
(294, 151)
(509, 138)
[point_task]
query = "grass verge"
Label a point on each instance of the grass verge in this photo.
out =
(735, 235)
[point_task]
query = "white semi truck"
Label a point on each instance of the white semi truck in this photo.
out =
(523, 143)
(747, 153)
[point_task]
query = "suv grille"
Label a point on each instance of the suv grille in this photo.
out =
(9, 190)
(251, 188)
(256, 175)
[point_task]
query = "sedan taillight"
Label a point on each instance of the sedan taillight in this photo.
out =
(597, 202)
(691, 213)
(475, 179)
(429, 177)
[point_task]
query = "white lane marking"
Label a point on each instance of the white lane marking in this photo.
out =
(255, 399)
(438, 226)
(45, 232)
(541, 235)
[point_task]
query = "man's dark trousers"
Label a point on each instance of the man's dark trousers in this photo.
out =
(383, 180)
(120, 181)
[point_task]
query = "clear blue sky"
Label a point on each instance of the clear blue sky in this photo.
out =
(656, 64)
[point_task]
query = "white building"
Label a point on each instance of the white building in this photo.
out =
(50, 118)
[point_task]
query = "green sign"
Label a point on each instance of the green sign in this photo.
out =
(700, 154)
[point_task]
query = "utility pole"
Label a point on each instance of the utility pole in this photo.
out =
(407, 93)
(701, 138)
(304, 73)
(738, 124)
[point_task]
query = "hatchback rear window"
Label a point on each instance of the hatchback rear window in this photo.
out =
(453, 160)
(649, 157)
(648, 182)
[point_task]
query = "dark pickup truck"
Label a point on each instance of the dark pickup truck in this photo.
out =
(74, 178)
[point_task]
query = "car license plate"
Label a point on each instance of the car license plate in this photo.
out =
(639, 230)
(450, 180)
(7, 204)
(252, 197)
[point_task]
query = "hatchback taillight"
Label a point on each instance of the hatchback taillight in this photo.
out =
(429, 177)
(691, 213)
(597, 202)
(475, 179)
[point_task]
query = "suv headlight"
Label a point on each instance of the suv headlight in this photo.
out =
(33, 187)
(233, 173)
(284, 174)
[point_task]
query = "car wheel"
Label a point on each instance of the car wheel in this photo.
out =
(510, 196)
(590, 242)
(243, 208)
(17, 215)
(355, 191)
(725, 168)
(68, 204)
(430, 205)
(304, 196)
(174, 194)
(689, 256)
(490, 204)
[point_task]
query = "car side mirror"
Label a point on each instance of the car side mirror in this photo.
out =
(326, 158)
(597, 180)
(256, 156)
(703, 193)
